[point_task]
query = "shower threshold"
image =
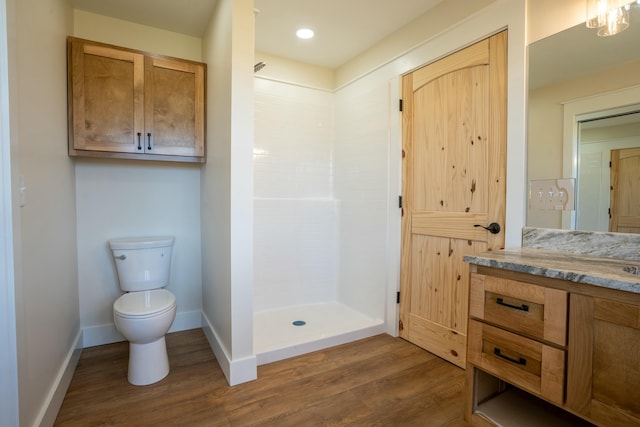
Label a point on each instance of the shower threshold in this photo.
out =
(317, 326)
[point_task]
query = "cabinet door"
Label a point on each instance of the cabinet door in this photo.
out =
(174, 107)
(604, 361)
(107, 98)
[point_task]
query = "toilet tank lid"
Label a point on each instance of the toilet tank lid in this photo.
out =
(141, 242)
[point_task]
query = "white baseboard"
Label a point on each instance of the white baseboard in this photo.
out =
(107, 334)
(236, 371)
(49, 410)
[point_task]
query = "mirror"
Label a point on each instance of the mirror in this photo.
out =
(575, 79)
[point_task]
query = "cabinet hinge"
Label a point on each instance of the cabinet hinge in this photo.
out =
(400, 105)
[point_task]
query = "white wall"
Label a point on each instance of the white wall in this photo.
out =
(126, 198)
(294, 72)
(130, 199)
(227, 189)
(296, 215)
(547, 17)
(46, 287)
(135, 36)
(395, 46)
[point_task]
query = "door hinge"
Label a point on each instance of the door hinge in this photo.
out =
(609, 164)
(400, 202)
(400, 105)
(398, 297)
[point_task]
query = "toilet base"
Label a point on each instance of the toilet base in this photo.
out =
(148, 363)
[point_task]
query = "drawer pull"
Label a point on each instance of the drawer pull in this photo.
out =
(523, 307)
(520, 360)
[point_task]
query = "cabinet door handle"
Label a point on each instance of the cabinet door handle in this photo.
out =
(523, 307)
(139, 136)
(149, 141)
(519, 361)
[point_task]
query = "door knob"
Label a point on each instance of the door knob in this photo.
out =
(493, 228)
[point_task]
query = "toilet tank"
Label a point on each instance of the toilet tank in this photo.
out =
(142, 263)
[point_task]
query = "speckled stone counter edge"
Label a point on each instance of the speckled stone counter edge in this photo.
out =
(610, 245)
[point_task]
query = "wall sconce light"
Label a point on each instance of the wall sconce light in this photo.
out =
(610, 17)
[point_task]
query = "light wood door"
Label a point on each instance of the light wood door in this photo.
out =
(174, 107)
(106, 98)
(625, 191)
(454, 161)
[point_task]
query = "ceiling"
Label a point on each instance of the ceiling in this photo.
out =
(344, 28)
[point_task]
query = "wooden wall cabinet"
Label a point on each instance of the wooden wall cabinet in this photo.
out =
(130, 104)
(550, 352)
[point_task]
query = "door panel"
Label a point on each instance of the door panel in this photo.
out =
(454, 161)
(625, 198)
(174, 112)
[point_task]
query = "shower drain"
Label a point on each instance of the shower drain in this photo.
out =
(299, 323)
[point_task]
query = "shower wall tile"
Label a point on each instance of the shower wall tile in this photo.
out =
(295, 252)
(363, 257)
(295, 215)
(361, 184)
(293, 141)
(321, 190)
(362, 143)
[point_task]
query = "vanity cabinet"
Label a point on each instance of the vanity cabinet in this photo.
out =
(130, 104)
(518, 331)
(546, 351)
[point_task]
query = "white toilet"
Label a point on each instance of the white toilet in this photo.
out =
(144, 314)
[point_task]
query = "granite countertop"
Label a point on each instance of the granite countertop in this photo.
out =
(579, 268)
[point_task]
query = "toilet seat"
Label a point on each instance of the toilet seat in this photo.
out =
(144, 304)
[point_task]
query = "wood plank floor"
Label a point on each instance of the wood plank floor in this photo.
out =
(379, 381)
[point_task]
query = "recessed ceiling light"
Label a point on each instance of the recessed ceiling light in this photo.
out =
(305, 33)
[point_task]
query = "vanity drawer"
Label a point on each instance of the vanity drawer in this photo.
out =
(535, 311)
(531, 365)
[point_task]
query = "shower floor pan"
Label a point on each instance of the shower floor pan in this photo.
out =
(325, 325)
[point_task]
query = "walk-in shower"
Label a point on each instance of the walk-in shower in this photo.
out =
(308, 243)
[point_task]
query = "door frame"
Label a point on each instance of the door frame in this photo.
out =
(9, 405)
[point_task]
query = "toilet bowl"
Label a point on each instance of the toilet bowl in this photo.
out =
(144, 318)
(144, 314)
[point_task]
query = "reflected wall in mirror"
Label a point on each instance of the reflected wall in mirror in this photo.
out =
(577, 76)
